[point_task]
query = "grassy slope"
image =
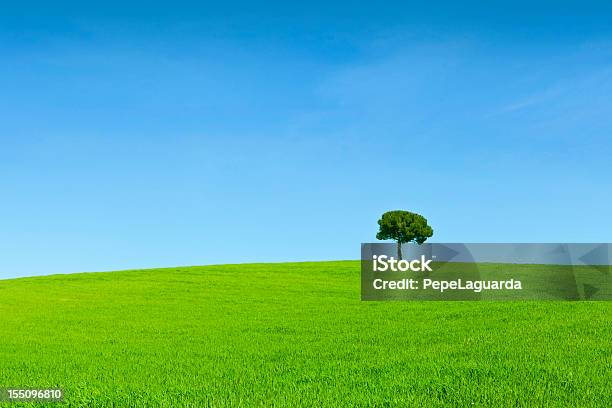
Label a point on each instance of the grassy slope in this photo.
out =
(293, 334)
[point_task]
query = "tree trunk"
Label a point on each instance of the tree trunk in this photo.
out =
(399, 250)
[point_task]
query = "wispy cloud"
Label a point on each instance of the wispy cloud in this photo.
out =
(531, 100)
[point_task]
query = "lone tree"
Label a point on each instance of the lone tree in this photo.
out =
(403, 226)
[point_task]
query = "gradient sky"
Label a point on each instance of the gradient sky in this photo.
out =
(171, 134)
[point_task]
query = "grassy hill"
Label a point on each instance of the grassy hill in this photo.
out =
(293, 334)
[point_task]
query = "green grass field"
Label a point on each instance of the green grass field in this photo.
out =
(293, 335)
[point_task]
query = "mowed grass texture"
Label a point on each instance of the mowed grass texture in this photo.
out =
(293, 334)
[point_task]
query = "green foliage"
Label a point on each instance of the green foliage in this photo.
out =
(403, 226)
(292, 335)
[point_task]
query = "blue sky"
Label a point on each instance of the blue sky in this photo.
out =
(184, 134)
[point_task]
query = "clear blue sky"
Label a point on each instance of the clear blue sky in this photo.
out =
(178, 134)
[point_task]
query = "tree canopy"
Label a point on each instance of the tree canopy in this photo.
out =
(403, 227)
